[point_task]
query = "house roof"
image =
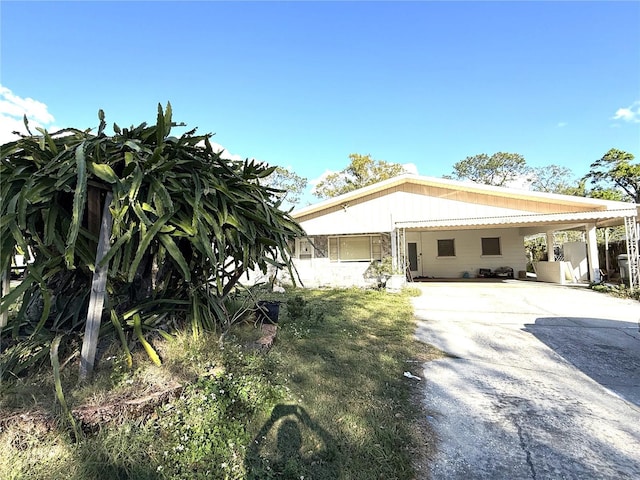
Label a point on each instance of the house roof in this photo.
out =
(559, 209)
(601, 218)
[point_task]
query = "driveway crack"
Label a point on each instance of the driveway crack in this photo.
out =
(630, 334)
(523, 445)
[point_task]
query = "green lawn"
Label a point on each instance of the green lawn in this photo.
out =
(328, 401)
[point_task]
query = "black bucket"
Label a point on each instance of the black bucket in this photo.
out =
(268, 311)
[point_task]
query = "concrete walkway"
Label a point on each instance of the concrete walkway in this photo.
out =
(542, 381)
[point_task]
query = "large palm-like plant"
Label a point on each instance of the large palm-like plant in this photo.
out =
(187, 225)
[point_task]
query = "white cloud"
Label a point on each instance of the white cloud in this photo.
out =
(15, 106)
(315, 181)
(7, 126)
(224, 153)
(12, 110)
(523, 182)
(561, 124)
(410, 168)
(629, 114)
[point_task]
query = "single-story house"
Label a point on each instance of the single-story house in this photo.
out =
(440, 228)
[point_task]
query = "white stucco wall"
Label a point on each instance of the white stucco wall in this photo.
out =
(468, 249)
(576, 254)
(555, 272)
(317, 273)
(320, 272)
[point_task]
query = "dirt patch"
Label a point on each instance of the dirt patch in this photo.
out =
(91, 418)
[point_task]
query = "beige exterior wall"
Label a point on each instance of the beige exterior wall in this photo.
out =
(379, 212)
(468, 252)
(321, 272)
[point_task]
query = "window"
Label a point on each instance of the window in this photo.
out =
(446, 248)
(361, 248)
(491, 246)
(305, 249)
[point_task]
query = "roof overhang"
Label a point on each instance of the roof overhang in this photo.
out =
(563, 221)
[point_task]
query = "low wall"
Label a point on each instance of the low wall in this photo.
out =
(319, 272)
(554, 272)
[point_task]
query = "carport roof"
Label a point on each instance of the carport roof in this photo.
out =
(602, 218)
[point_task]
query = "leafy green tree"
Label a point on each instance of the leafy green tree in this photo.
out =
(616, 169)
(361, 172)
(289, 185)
(554, 179)
(558, 179)
(187, 225)
(498, 169)
(605, 193)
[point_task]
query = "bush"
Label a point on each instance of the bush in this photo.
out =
(186, 225)
(620, 291)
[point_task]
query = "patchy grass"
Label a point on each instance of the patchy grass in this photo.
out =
(620, 291)
(328, 401)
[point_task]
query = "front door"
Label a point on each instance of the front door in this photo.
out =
(413, 258)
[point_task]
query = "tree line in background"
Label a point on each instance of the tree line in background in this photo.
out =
(614, 176)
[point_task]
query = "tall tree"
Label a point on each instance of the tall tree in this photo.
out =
(616, 169)
(556, 179)
(499, 169)
(361, 172)
(288, 185)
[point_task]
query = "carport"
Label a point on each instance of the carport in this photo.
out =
(581, 264)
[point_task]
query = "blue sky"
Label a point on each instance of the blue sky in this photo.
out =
(304, 84)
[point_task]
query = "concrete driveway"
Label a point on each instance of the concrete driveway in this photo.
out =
(541, 382)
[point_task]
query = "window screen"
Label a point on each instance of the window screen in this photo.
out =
(333, 249)
(355, 249)
(491, 246)
(446, 248)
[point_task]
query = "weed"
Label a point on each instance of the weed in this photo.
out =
(620, 291)
(296, 306)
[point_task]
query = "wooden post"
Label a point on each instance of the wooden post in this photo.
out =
(96, 301)
(5, 284)
(93, 209)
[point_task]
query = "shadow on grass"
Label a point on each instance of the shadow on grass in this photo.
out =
(346, 368)
(291, 445)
